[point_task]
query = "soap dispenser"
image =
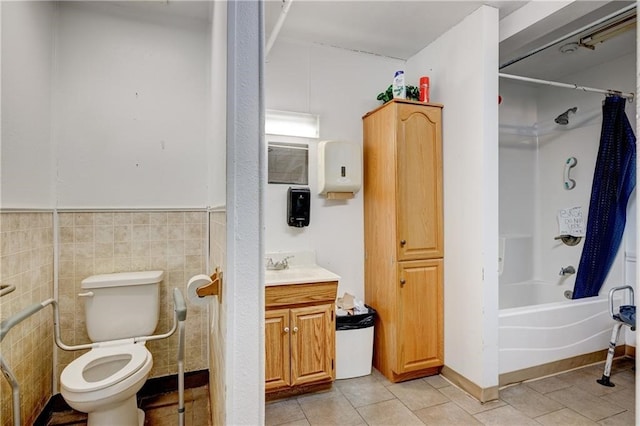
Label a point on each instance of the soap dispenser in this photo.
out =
(298, 206)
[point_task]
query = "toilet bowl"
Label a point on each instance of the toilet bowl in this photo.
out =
(103, 383)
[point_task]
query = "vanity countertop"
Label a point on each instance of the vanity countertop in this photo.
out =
(299, 274)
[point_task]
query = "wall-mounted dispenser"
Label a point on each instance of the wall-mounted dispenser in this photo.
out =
(339, 169)
(298, 207)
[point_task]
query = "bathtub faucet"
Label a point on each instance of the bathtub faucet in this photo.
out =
(569, 270)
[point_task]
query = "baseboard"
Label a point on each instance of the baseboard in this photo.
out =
(153, 386)
(479, 393)
(556, 367)
(630, 351)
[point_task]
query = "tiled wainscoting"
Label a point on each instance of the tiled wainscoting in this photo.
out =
(26, 261)
(92, 243)
(105, 242)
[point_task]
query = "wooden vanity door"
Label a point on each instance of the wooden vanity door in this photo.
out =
(276, 341)
(312, 344)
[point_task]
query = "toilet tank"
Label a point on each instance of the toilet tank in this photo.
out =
(121, 305)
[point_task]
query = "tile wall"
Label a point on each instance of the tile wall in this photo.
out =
(26, 261)
(105, 242)
(217, 319)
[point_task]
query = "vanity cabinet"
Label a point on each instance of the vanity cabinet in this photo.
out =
(299, 337)
(404, 240)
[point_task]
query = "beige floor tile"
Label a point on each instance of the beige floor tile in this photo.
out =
(564, 417)
(389, 413)
(417, 394)
(437, 381)
(378, 376)
(504, 416)
(327, 394)
(624, 398)
(364, 391)
(623, 419)
(160, 416)
(624, 378)
(283, 412)
(528, 401)
(467, 402)
(548, 384)
(302, 422)
(446, 414)
(591, 406)
(161, 400)
(331, 409)
(587, 382)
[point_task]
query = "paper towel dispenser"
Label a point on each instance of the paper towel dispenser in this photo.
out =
(298, 207)
(339, 169)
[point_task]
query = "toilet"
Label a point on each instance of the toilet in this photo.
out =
(104, 381)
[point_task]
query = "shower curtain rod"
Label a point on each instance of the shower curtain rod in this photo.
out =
(629, 96)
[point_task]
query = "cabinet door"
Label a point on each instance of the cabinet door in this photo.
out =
(419, 182)
(276, 341)
(420, 315)
(312, 344)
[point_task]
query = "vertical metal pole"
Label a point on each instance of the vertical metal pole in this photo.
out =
(15, 391)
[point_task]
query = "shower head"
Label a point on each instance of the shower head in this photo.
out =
(564, 117)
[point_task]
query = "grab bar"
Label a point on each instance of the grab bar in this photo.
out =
(180, 315)
(615, 289)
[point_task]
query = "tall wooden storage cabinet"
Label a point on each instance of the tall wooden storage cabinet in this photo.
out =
(404, 237)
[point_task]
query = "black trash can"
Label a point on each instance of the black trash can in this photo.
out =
(354, 344)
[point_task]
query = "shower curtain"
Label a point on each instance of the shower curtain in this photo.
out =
(613, 181)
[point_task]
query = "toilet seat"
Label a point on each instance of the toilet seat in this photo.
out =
(73, 378)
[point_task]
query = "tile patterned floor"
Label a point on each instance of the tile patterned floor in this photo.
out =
(160, 410)
(572, 398)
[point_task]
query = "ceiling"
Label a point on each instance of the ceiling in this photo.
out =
(400, 29)
(397, 29)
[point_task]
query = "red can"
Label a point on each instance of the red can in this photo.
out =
(424, 89)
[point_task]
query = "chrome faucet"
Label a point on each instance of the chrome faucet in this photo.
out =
(279, 265)
(569, 270)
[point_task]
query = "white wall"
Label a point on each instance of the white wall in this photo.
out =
(131, 108)
(216, 143)
(340, 86)
(463, 78)
(27, 160)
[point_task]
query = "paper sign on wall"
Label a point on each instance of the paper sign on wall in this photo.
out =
(571, 222)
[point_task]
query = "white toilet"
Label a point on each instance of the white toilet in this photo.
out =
(103, 382)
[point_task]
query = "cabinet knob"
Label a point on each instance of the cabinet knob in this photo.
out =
(402, 281)
(295, 329)
(286, 329)
(403, 242)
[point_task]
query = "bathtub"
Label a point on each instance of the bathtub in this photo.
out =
(538, 325)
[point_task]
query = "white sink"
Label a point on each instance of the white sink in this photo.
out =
(301, 274)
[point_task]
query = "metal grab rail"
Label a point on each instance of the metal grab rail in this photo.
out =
(180, 315)
(612, 292)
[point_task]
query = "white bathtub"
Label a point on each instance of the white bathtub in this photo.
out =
(537, 325)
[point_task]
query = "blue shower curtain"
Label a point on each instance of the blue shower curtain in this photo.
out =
(613, 181)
